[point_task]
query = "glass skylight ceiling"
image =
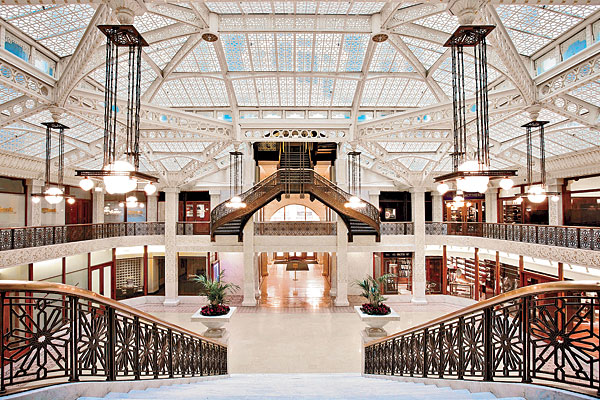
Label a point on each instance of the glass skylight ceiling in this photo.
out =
(533, 27)
(58, 27)
(300, 7)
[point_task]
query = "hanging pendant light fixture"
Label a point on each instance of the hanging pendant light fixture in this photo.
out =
(537, 193)
(354, 181)
(53, 194)
(235, 180)
(120, 171)
(471, 170)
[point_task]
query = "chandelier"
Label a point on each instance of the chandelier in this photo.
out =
(54, 194)
(537, 193)
(354, 181)
(471, 169)
(235, 180)
(120, 171)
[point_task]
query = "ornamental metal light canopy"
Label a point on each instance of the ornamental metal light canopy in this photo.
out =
(121, 175)
(54, 194)
(471, 174)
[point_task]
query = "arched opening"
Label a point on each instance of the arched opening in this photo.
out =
(295, 212)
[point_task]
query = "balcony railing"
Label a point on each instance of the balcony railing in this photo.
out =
(562, 236)
(543, 334)
(36, 236)
(397, 228)
(193, 228)
(54, 333)
(295, 228)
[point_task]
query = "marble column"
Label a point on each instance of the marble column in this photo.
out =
(215, 198)
(34, 210)
(491, 205)
(248, 168)
(374, 197)
(437, 207)
(555, 208)
(171, 275)
(152, 207)
(250, 270)
(341, 298)
(418, 272)
(97, 205)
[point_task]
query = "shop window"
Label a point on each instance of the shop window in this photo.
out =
(399, 264)
(395, 206)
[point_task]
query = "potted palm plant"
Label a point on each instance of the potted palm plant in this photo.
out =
(374, 312)
(216, 314)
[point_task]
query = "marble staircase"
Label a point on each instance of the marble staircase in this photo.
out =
(300, 386)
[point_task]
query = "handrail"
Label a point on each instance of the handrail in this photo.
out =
(543, 334)
(69, 290)
(540, 288)
(60, 333)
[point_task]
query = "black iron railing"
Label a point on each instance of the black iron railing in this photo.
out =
(35, 236)
(193, 228)
(543, 334)
(397, 228)
(295, 228)
(55, 333)
(552, 235)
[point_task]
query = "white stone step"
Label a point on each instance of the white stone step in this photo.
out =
(299, 386)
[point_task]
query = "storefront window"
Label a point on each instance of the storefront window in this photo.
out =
(398, 264)
(582, 200)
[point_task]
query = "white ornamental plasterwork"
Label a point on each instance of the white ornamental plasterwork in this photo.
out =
(22, 81)
(438, 115)
(506, 51)
(579, 163)
(178, 13)
(414, 12)
(587, 258)
(311, 135)
(20, 166)
(294, 23)
(88, 45)
(576, 76)
(566, 106)
(22, 107)
(152, 116)
(10, 258)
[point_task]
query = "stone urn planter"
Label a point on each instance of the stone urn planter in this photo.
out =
(214, 324)
(376, 322)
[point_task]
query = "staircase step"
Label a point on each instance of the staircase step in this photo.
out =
(300, 386)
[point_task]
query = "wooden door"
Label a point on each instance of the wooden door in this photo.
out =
(434, 267)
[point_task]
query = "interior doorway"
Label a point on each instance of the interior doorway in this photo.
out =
(295, 279)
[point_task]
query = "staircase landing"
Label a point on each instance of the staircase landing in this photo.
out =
(299, 386)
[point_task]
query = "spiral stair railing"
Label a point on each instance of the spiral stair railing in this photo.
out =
(55, 333)
(546, 334)
(312, 183)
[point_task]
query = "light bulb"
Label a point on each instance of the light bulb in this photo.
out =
(141, 205)
(53, 195)
(443, 188)
(121, 204)
(119, 183)
(71, 200)
(555, 198)
(86, 183)
(518, 200)
(506, 183)
(537, 194)
(35, 199)
(476, 183)
(150, 189)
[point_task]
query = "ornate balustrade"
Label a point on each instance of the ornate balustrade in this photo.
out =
(54, 333)
(397, 228)
(543, 334)
(562, 236)
(295, 228)
(193, 228)
(35, 236)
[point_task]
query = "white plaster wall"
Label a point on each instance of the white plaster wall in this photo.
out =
(76, 262)
(233, 265)
(18, 272)
(359, 265)
(275, 205)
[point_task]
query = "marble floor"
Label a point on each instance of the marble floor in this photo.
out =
(287, 289)
(283, 342)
